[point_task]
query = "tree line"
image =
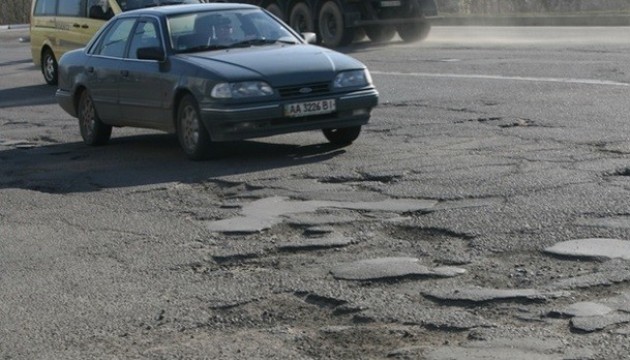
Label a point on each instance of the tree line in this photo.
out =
(17, 11)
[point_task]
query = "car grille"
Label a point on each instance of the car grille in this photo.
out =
(296, 91)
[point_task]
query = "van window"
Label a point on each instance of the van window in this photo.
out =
(45, 7)
(72, 8)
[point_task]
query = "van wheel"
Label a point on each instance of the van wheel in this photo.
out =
(49, 67)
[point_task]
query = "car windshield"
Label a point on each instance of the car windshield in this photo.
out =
(222, 29)
(126, 5)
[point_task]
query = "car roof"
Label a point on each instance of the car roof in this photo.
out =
(189, 8)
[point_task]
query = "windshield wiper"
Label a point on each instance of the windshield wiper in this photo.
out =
(203, 48)
(261, 42)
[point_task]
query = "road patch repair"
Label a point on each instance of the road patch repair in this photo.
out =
(388, 268)
(264, 213)
(590, 316)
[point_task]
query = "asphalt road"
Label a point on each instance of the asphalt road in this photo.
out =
(434, 236)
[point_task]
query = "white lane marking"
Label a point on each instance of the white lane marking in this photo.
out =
(512, 78)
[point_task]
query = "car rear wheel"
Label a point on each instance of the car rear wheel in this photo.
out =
(49, 67)
(93, 130)
(331, 26)
(342, 136)
(193, 137)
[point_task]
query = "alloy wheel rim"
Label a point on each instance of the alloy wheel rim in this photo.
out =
(190, 128)
(49, 67)
(88, 117)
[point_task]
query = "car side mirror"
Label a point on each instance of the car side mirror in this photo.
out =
(151, 53)
(309, 37)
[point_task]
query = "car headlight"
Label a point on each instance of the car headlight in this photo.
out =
(353, 78)
(239, 90)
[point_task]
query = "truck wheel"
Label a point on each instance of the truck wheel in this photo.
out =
(301, 18)
(331, 26)
(411, 32)
(380, 33)
(359, 34)
(276, 10)
(49, 67)
(342, 136)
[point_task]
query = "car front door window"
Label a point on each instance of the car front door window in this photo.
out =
(114, 41)
(145, 35)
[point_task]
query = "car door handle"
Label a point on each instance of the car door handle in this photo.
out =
(124, 73)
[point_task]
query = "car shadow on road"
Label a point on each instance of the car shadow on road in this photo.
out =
(27, 96)
(143, 160)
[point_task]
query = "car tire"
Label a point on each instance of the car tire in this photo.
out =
(93, 131)
(193, 136)
(276, 10)
(342, 136)
(301, 18)
(412, 32)
(380, 33)
(332, 29)
(49, 67)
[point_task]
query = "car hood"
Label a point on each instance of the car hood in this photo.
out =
(279, 65)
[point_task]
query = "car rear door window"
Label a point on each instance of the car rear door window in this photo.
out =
(114, 41)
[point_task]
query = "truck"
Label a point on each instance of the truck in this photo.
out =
(341, 22)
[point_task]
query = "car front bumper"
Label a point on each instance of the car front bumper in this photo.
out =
(251, 121)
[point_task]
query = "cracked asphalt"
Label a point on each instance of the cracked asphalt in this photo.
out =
(483, 213)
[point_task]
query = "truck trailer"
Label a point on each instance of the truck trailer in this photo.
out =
(340, 22)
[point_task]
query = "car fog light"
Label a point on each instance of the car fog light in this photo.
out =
(357, 112)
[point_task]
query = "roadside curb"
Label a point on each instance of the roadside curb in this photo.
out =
(560, 20)
(14, 26)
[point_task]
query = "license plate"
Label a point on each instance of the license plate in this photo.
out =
(308, 108)
(390, 3)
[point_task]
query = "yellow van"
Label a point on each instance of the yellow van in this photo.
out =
(58, 26)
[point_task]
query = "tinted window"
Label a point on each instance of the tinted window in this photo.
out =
(71, 8)
(145, 35)
(45, 7)
(114, 40)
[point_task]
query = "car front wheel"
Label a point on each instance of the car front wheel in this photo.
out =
(192, 134)
(93, 130)
(342, 136)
